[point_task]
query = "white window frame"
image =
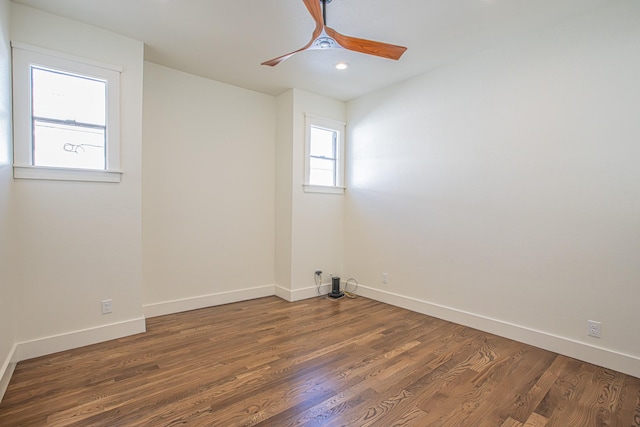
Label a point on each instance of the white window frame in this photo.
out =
(339, 128)
(26, 56)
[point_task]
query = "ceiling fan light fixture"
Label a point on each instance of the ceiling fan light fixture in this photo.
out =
(325, 42)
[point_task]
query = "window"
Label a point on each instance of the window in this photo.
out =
(66, 117)
(324, 164)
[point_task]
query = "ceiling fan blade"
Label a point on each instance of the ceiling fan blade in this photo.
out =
(370, 47)
(275, 61)
(316, 12)
(313, 6)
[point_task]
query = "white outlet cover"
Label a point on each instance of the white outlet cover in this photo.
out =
(106, 306)
(594, 328)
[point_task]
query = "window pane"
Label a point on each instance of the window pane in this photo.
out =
(61, 96)
(60, 145)
(69, 120)
(322, 143)
(322, 172)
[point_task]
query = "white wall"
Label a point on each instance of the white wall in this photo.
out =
(7, 299)
(208, 192)
(316, 219)
(502, 191)
(77, 243)
(283, 192)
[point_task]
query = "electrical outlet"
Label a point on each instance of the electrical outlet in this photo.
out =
(385, 278)
(594, 329)
(107, 306)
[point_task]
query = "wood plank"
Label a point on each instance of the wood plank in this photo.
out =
(536, 420)
(628, 405)
(509, 422)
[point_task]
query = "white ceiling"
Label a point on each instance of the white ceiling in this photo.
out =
(226, 40)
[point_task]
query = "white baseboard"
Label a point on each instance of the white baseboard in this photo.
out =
(203, 301)
(303, 293)
(607, 358)
(74, 339)
(283, 293)
(6, 370)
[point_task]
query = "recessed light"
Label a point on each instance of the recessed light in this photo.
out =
(341, 66)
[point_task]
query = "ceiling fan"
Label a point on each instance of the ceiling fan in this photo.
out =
(327, 38)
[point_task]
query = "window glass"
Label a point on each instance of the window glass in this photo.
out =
(64, 96)
(68, 120)
(59, 145)
(322, 142)
(322, 162)
(323, 172)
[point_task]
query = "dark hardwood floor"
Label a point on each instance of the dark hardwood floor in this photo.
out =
(317, 362)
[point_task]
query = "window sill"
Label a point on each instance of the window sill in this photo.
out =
(323, 189)
(64, 174)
